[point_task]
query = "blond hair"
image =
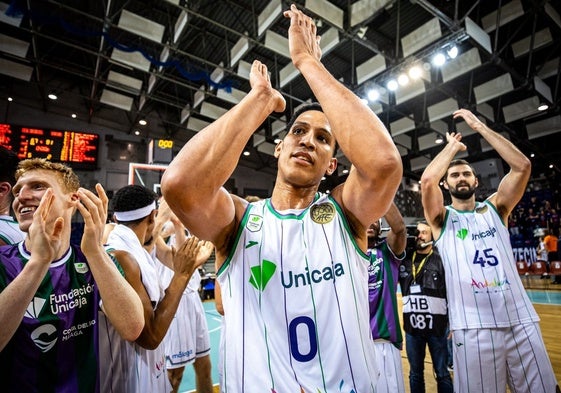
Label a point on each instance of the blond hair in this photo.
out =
(67, 178)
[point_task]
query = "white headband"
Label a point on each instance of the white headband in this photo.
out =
(132, 215)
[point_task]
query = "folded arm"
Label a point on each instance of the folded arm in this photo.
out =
(371, 186)
(513, 185)
(431, 194)
(192, 184)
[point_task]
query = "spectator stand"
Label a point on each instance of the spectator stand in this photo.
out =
(538, 274)
(555, 272)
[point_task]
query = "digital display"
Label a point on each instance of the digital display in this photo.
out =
(77, 149)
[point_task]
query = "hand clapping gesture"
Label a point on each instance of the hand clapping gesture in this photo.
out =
(93, 209)
(303, 40)
(45, 232)
(190, 255)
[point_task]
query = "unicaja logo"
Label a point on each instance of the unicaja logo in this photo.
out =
(462, 233)
(44, 337)
(261, 274)
(34, 308)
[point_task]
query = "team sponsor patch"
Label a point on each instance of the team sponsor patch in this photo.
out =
(482, 209)
(81, 267)
(44, 337)
(322, 213)
(254, 223)
(34, 308)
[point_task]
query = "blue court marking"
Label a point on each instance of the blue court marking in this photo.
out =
(544, 297)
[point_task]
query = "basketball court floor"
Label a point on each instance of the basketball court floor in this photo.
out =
(547, 304)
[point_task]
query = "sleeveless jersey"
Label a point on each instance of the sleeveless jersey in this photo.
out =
(295, 296)
(9, 230)
(127, 367)
(483, 286)
(382, 287)
(55, 348)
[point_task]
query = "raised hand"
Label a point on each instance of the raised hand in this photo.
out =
(93, 209)
(186, 259)
(164, 213)
(455, 138)
(259, 80)
(471, 120)
(205, 250)
(303, 40)
(45, 234)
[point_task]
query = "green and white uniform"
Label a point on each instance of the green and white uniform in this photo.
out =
(295, 296)
(488, 305)
(125, 366)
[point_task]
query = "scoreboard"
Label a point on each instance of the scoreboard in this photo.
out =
(77, 149)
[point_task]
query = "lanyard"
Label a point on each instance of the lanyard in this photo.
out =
(417, 269)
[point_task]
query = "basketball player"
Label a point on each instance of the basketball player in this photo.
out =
(386, 255)
(139, 366)
(292, 268)
(50, 290)
(187, 340)
(496, 335)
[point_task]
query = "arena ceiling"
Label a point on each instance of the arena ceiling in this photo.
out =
(181, 63)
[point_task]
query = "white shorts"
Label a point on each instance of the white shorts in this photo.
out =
(486, 360)
(187, 337)
(388, 359)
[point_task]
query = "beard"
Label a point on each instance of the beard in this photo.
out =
(464, 194)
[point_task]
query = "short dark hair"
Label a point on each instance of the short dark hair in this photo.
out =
(132, 197)
(312, 106)
(460, 161)
(9, 160)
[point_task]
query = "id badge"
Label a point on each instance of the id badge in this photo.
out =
(415, 288)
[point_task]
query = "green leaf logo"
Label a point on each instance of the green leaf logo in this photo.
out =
(462, 233)
(261, 274)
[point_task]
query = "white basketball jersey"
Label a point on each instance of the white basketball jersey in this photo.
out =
(295, 296)
(9, 230)
(126, 367)
(483, 285)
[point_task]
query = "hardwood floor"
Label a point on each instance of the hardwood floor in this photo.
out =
(551, 328)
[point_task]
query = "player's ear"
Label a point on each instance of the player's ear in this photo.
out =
(278, 149)
(332, 166)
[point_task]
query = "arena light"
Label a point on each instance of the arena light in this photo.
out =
(439, 59)
(373, 95)
(403, 79)
(415, 72)
(452, 52)
(392, 85)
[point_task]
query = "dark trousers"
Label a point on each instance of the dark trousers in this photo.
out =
(416, 350)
